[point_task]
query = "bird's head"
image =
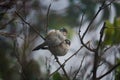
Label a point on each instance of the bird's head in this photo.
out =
(64, 31)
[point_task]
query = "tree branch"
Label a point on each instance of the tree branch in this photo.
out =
(29, 24)
(47, 19)
(79, 68)
(113, 68)
(62, 66)
(95, 66)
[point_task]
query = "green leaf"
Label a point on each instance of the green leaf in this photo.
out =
(57, 76)
(109, 32)
(112, 32)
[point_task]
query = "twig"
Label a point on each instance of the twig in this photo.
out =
(6, 34)
(95, 66)
(113, 68)
(29, 25)
(47, 20)
(62, 67)
(81, 22)
(108, 4)
(18, 59)
(5, 25)
(101, 35)
(81, 39)
(85, 44)
(79, 68)
(100, 8)
(90, 23)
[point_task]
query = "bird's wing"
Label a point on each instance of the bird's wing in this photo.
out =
(41, 46)
(54, 37)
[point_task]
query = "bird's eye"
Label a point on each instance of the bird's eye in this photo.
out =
(67, 41)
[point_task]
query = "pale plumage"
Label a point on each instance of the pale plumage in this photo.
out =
(56, 42)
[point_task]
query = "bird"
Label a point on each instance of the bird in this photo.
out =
(56, 42)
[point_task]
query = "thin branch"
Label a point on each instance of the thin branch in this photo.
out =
(5, 25)
(29, 24)
(81, 22)
(100, 8)
(18, 58)
(85, 44)
(108, 4)
(103, 6)
(95, 66)
(113, 68)
(101, 35)
(47, 20)
(6, 34)
(81, 39)
(90, 23)
(107, 48)
(62, 66)
(79, 68)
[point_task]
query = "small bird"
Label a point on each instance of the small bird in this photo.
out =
(56, 41)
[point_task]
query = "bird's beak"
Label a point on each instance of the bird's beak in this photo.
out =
(64, 33)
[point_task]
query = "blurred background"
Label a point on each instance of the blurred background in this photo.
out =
(21, 22)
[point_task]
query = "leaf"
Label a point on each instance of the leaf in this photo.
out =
(57, 76)
(109, 32)
(112, 32)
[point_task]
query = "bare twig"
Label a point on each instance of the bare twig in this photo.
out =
(47, 20)
(62, 66)
(18, 59)
(81, 22)
(79, 68)
(5, 25)
(95, 66)
(108, 4)
(85, 44)
(29, 25)
(6, 34)
(101, 35)
(91, 23)
(113, 68)
(81, 39)
(103, 6)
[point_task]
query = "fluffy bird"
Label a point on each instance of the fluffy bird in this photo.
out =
(56, 41)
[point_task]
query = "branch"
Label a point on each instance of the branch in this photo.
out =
(62, 66)
(81, 22)
(91, 22)
(95, 66)
(103, 6)
(108, 4)
(79, 68)
(109, 71)
(29, 24)
(5, 25)
(81, 39)
(47, 20)
(101, 35)
(18, 59)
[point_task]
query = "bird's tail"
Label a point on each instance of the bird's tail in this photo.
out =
(41, 46)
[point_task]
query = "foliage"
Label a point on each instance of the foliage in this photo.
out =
(112, 32)
(117, 71)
